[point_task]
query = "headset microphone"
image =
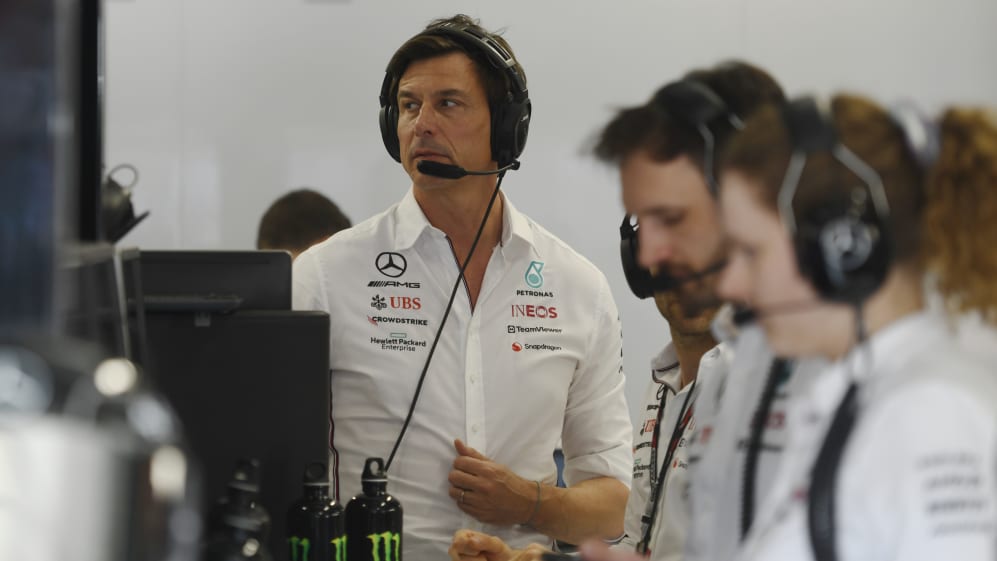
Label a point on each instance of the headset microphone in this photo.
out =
(448, 171)
(745, 316)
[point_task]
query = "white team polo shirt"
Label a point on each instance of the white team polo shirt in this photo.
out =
(917, 476)
(538, 359)
(671, 523)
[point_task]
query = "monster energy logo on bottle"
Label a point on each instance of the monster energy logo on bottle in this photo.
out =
(340, 544)
(391, 540)
(300, 547)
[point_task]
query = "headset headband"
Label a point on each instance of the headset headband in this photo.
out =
(810, 131)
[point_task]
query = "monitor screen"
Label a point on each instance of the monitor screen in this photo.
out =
(248, 377)
(215, 281)
(247, 384)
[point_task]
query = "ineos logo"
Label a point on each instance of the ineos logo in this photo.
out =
(391, 264)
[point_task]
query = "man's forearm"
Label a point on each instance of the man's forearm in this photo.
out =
(591, 509)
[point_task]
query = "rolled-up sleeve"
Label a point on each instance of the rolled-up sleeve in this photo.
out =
(597, 435)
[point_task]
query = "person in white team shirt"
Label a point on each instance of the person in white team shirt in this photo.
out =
(834, 219)
(661, 156)
(531, 349)
(667, 187)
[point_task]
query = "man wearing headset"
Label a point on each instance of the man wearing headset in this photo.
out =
(664, 150)
(524, 334)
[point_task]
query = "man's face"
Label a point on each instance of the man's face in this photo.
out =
(443, 116)
(680, 233)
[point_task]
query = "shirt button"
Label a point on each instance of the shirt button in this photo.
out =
(475, 427)
(473, 378)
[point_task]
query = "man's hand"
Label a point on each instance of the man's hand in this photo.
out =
(469, 545)
(489, 491)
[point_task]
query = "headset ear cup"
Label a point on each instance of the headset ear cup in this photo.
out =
(500, 134)
(520, 128)
(510, 125)
(846, 258)
(638, 278)
(388, 120)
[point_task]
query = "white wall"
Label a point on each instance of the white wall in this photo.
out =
(225, 104)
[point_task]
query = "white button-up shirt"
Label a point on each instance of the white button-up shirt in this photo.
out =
(917, 477)
(539, 358)
(668, 534)
(724, 411)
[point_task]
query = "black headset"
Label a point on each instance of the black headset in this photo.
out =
(693, 104)
(510, 117)
(846, 252)
(844, 248)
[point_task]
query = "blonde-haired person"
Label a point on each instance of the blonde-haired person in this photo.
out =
(835, 223)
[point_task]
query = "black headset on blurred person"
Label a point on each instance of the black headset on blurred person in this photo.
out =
(698, 107)
(845, 250)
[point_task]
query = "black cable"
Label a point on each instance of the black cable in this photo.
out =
(823, 478)
(824, 475)
(446, 314)
(776, 375)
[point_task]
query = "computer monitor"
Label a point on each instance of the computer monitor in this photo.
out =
(245, 383)
(216, 280)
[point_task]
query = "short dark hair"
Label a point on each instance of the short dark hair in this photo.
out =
(743, 88)
(299, 220)
(429, 44)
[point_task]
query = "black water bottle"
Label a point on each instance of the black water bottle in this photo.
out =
(238, 525)
(242, 500)
(374, 518)
(315, 525)
(237, 539)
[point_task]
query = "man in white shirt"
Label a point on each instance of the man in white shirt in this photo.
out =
(673, 244)
(530, 351)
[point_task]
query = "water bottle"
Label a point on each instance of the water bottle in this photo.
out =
(237, 539)
(238, 525)
(374, 518)
(315, 525)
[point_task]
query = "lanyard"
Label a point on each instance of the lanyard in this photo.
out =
(658, 480)
(779, 371)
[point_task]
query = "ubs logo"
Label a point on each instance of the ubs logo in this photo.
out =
(391, 264)
(379, 302)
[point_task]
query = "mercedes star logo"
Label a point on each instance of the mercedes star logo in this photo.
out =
(391, 264)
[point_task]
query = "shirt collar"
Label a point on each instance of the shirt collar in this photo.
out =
(515, 225)
(411, 223)
(665, 368)
(887, 350)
